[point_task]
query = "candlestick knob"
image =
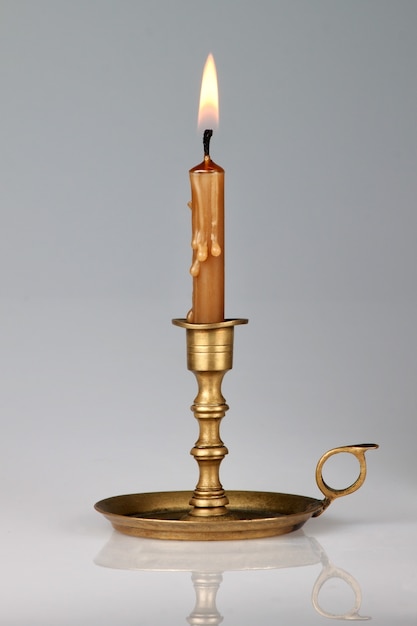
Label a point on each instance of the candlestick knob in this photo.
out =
(209, 357)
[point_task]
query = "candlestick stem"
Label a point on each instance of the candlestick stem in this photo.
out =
(209, 357)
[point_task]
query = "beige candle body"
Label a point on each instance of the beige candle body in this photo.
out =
(207, 269)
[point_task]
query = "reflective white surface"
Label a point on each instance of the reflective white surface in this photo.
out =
(348, 571)
(318, 140)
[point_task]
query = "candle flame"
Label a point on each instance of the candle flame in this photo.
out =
(208, 112)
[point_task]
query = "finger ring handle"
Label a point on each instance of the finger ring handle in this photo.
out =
(358, 451)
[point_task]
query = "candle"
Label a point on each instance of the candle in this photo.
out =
(207, 208)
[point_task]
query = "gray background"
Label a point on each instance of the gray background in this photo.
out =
(318, 136)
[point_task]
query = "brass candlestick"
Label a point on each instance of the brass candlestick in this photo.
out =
(209, 357)
(209, 513)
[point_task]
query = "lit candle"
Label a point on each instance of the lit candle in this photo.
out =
(207, 207)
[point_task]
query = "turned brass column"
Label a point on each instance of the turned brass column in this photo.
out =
(209, 357)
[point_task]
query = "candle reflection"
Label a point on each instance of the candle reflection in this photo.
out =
(208, 563)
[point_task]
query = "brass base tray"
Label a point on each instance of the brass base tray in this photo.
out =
(166, 515)
(248, 514)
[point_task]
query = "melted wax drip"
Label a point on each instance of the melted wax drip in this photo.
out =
(203, 231)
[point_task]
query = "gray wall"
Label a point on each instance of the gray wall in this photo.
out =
(318, 138)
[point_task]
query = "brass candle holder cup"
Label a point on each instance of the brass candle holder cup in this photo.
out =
(210, 513)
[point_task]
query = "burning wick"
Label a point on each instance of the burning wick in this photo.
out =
(206, 142)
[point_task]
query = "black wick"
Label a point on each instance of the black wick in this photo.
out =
(206, 142)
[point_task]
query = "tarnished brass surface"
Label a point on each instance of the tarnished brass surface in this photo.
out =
(209, 357)
(165, 515)
(358, 450)
(249, 514)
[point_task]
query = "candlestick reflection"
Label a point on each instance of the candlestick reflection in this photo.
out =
(208, 567)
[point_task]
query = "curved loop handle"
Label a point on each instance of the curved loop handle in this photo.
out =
(329, 572)
(359, 452)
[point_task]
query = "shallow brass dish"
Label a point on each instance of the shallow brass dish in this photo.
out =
(250, 514)
(165, 515)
